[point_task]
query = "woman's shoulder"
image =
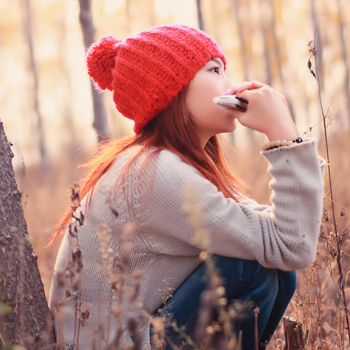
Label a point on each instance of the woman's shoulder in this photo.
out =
(166, 156)
(170, 162)
(140, 152)
(152, 165)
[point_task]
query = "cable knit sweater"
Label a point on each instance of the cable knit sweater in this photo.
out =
(160, 241)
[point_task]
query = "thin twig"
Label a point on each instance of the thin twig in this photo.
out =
(338, 254)
(256, 333)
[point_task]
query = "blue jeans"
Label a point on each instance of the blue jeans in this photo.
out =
(269, 289)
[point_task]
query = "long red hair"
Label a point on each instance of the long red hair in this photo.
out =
(172, 130)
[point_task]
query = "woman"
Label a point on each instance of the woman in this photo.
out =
(137, 239)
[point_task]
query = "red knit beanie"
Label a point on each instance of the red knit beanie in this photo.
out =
(146, 72)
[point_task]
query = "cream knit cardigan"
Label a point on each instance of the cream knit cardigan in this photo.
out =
(160, 242)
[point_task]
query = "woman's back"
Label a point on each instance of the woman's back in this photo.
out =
(137, 244)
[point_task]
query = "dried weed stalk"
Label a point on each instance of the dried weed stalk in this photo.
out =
(331, 326)
(70, 277)
(209, 333)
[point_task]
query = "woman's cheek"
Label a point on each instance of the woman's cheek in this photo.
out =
(206, 109)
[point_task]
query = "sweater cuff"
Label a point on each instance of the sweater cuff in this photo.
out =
(307, 143)
(301, 154)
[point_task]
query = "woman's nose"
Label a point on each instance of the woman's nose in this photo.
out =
(228, 85)
(229, 89)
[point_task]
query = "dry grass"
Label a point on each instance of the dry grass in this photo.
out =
(317, 303)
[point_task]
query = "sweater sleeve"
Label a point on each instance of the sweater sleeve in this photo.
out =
(282, 236)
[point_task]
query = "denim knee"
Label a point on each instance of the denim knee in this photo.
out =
(245, 276)
(288, 281)
(261, 280)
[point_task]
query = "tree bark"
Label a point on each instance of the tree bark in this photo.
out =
(100, 116)
(293, 332)
(25, 318)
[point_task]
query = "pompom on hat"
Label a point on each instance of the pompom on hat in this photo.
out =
(146, 72)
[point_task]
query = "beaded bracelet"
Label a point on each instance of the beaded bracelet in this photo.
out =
(279, 143)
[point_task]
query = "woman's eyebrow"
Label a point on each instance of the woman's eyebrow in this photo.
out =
(218, 61)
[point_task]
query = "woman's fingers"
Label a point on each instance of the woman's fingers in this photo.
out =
(247, 85)
(267, 112)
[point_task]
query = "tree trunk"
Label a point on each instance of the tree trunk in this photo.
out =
(293, 332)
(263, 30)
(25, 318)
(100, 116)
(244, 42)
(346, 81)
(318, 44)
(28, 30)
(319, 51)
(242, 39)
(286, 88)
(200, 15)
(68, 116)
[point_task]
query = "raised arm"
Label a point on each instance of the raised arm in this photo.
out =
(283, 237)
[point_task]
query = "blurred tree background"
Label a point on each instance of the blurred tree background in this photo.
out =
(46, 101)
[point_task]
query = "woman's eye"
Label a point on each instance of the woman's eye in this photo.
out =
(216, 70)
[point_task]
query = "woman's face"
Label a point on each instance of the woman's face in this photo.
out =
(209, 118)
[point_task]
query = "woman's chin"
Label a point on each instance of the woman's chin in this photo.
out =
(231, 127)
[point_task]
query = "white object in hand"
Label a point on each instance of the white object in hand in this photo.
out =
(231, 101)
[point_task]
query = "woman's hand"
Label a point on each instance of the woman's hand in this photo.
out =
(267, 111)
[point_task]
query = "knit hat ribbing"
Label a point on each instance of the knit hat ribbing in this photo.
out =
(146, 72)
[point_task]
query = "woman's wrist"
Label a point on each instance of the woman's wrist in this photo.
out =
(285, 131)
(278, 143)
(288, 136)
